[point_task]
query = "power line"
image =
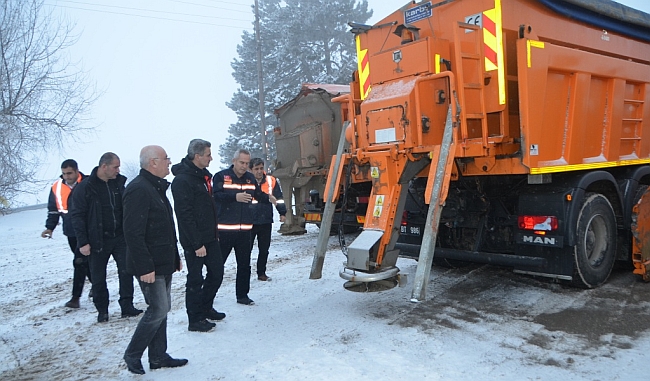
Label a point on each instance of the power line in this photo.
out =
(226, 2)
(148, 10)
(146, 17)
(209, 6)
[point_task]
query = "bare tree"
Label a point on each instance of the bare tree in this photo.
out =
(130, 169)
(43, 96)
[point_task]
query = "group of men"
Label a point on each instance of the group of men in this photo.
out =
(135, 224)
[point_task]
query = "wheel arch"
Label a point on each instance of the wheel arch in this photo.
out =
(601, 182)
(628, 185)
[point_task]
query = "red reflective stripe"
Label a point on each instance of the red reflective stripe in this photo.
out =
(248, 186)
(208, 184)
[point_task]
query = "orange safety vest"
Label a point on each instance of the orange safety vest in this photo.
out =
(268, 186)
(61, 194)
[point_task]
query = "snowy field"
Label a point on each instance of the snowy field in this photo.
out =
(479, 323)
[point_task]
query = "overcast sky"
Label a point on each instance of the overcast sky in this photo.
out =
(164, 67)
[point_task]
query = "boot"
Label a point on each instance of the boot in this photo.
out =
(130, 311)
(73, 303)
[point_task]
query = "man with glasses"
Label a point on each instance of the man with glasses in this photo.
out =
(152, 256)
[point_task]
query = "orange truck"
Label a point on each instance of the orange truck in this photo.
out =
(521, 127)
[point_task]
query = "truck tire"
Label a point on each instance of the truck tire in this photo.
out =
(595, 250)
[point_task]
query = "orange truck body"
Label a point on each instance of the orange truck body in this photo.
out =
(550, 134)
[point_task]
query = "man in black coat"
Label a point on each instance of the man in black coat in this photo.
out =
(97, 220)
(152, 256)
(196, 214)
(58, 206)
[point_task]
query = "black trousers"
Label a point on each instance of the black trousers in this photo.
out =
(200, 292)
(263, 234)
(240, 241)
(81, 269)
(98, 261)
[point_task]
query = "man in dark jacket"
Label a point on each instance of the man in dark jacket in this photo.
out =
(263, 215)
(234, 189)
(152, 256)
(196, 214)
(97, 220)
(57, 206)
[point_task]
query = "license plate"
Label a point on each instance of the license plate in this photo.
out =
(410, 230)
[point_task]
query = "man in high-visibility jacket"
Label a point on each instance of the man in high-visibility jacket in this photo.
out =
(234, 189)
(263, 215)
(57, 206)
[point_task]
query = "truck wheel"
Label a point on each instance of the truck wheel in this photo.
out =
(595, 249)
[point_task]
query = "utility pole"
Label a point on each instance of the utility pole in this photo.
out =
(260, 84)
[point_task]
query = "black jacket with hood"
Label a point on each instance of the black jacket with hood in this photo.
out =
(196, 211)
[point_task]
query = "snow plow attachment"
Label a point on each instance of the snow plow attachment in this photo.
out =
(372, 257)
(401, 131)
(641, 235)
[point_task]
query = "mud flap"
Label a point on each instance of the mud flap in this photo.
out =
(641, 236)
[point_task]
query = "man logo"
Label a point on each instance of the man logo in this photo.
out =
(539, 240)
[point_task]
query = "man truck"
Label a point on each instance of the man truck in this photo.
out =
(523, 126)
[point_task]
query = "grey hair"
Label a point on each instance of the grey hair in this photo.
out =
(239, 152)
(146, 154)
(197, 147)
(107, 158)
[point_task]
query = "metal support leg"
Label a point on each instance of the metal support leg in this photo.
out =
(328, 213)
(433, 217)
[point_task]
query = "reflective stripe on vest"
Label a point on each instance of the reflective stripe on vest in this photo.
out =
(234, 226)
(267, 187)
(61, 199)
(61, 194)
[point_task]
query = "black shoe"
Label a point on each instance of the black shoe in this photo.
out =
(213, 314)
(130, 311)
(201, 326)
(245, 300)
(102, 317)
(73, 303)
(134, 366)
(90, 293)
(169, 362)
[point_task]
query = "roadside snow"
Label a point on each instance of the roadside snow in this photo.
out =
(298, 329)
